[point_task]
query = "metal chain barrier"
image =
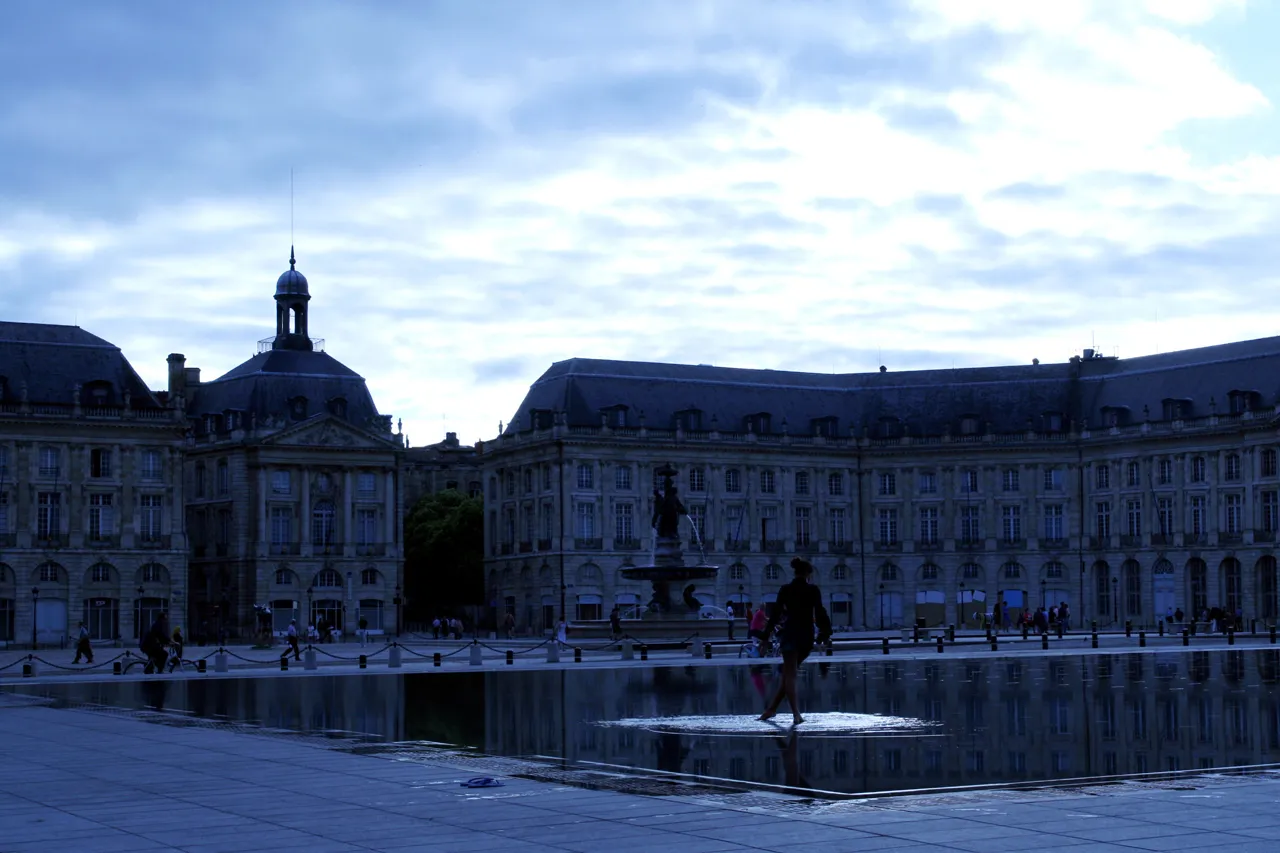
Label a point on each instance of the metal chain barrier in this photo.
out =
(77, 668)
(343, 657)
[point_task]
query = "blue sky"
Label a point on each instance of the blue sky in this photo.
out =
(484, 188)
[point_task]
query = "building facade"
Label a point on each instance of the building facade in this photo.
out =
(91, 490)
(294, 484)
(1128, 489)
(439, 467)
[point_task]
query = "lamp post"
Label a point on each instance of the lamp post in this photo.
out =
(960, 606)
(397, 601)
(311, 619)
(1115, 598)
(137, 612)
(345, 601)
(881, 607)
(35, 609)
(741, 600)
(1043, 600)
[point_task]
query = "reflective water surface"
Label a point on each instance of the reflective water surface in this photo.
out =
(870, 725)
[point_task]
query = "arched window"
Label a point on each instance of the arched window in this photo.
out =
(737, 572)
(1054, 571)
(1012, 571)
(369, 577)
(1102, 579)
(1198, 577)
(152, 573)
(322, 523)
(50, 573)
(772, 572)
(1267, 587)
(284, 577)
(840, 572)
(929, 572)
(329, 578)
(1231, 585)
(100, 573)
(970, 571)
(888, 572)
(4, 573)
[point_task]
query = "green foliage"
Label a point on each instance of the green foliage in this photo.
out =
(444, 554)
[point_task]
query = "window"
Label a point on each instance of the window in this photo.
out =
(1011, 523)
(624, 522)
(4, 462)
(769, 525)
(281, 525)
(767, 485)
(734, 524)
(698, 518)
(101, 520)
(586, 519)
(804, 529)
(100, 573)
(366, 526)
(546, 478)
(1010, 479)
(322, 523)
(4, 517)
(1102, 476)
(224, 478)
(1164, 516)
(224, 527)
(658, 480)
(802, 482)
(284, 577)
(971, 571)
(49, 458)
(1052, 479)
(152, 465)
(1054, 571)
(473, 490)
(369, 577)
(1133, 475)
(586, 476)
(835, 484)
(49, 573)
(1268, 463)
(969, 482)
(836, 533)
(280, 482)
(1102, 517)
(328, 578)
(1232, 511)
(772, 572)
(622, 478)
(100, 462)
(1270, 512)
(1197, 469)
(1233, 466)
(888, 484)
(1053, 522)
(1133, 518)
(929, 572)
(928, 483)
(929, 525)
(970, 528)
(1198, 509)
(737, 572)
(840, 572)
(733, 481)
(889, 572)
(1165, 469)
(149, 522)
(510, 480)
(887, 520)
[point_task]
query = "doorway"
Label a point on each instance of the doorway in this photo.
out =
(51, 620)
(102, 618)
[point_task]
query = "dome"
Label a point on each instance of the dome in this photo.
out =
(291, 282)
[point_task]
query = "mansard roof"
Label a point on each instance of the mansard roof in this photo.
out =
(924, 402)
(51, 360)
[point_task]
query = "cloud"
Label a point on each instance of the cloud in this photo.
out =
(484, 189)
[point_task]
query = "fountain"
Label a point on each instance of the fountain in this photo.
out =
(667, 559)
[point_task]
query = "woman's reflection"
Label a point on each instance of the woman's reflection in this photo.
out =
(790, 748)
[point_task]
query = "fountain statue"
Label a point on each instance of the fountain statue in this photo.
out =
(668, 559)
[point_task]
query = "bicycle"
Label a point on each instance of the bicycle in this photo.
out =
(753, 648)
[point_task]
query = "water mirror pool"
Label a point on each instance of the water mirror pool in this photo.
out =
(873, 725)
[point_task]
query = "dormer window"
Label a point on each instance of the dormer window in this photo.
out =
(540, 419)
(689, 420)
(969, 425)
(97, 393)
(758, 423)
(888, 427)
(1176, 409)
(1115, 416)
(338, 407)
(298, 408)
(1243, 401)
(828, 427)
(1051, 422)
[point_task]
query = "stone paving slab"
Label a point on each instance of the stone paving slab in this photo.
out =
(108, 783)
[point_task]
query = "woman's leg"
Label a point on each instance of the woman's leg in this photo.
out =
(790, 664)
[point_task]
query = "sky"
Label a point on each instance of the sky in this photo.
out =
(481, 188)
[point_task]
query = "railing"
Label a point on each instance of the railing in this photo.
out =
(772, 546)
(70, 410)
(1230, 538)
(807, 547)
(1099, 543)
(626, 544)
(371, 549)
(931, 543)
(544, 544)
(1130, 541)
(1012, 544)
(1264, 536)
(1161, 539)
(526, 547)
(889, 546)
(580, 544)
(1195, 539)
(1054, 544)
(154, 541)
(971, 544)
(327, 549)
(283, 549)
(268, 344)
(102, 541)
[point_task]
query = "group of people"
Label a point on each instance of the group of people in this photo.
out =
(161, 647)
(1042, 620)
(451, 627)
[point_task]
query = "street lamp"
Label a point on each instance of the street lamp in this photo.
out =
(960, 606)
(311, 591)
(741, 601)
(1115, 598)
(397, 601)
(1043, 600)
(881, 607)
(35, 609)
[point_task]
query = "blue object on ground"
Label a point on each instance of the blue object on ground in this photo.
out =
(482, 782)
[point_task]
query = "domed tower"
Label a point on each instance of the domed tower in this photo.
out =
(292, 297)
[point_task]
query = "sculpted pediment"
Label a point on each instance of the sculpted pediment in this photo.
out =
(328, 432)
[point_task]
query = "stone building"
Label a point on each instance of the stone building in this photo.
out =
(294, 487)
(1127, 488)
(448, 464)
(91, 491)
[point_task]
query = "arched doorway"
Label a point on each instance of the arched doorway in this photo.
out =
(931, 601)
(1268, 603)
(889, 597)
(1232, 586)
(1164, 589)
(1132, 573)
(971, 596)
(1053, 584)
(1012, 597)
(1198, 587)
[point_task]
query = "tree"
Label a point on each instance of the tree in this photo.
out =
(444, 554)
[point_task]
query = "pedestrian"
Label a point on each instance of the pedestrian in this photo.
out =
(800, 602)
(154, 644)
(562, 635)
(177, 643)
(364, 629)
(1064, 616)
(435, 628)
(291, 637)
(83, 646)
(615, 622)
(758, 623)
(509, 624)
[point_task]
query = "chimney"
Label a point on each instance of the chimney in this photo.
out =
(177, 375)
(193, 376)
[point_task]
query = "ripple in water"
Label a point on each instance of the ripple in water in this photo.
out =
(745, 725)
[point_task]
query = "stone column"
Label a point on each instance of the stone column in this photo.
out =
(389, 502)
(264, 533)
(304, 523)
(348, 516)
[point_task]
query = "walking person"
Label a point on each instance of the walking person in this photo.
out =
(509, 624)
(800, 603)
(291, 637)
(177, 643)
(615, 622)
(435, 628)
(562, 635)
(758, 623)
(155, 644)
(83, 646)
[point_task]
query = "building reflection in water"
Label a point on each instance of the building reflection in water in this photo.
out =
(999, 720)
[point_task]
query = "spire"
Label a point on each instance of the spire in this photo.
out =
(291, 259)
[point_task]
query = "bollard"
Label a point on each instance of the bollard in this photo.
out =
(284, 664)
(309, 659)
(476, 654)
(577, 655)
(1231, 637)
(628, 650)
(1142, 639)
(364, 661)
(1024, 630)
(695, 646)
(29, 669)
(394, 660)
(553, 653)
(1044, 642)
(644, 652)
(830, 650)
(988, 633)
(940, 646)
(1253, 626)
(1273, 635)
(1128, 628)
(200, 666)
(117, 669)
(221, 663)
(435, 659)
(915, 634)
(884, 645)
(995, 643)
(951, 633)
(1093, 626)
(1095, 639)
(1161, 627)
(511, 657)
(1062, 629)
(1186, 637)
(706, 651)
